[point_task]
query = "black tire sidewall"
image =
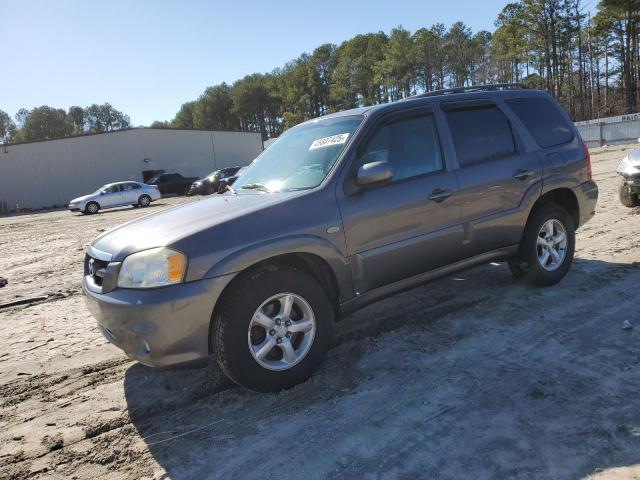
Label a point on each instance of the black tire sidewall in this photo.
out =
(627, 198)
(231, 324)
(535, 273)
(87, 210)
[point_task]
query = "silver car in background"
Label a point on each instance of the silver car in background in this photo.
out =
(629, 169)
(116, 195)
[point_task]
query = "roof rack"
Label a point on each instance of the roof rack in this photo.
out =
(472, 88)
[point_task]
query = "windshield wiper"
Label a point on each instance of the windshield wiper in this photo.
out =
(256, 186)
(230, 188)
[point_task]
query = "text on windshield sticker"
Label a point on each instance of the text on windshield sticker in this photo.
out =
(329, 141)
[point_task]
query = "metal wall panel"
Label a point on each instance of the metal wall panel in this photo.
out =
(44, 174)
(607, 133)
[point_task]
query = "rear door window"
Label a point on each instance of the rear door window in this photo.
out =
(480, 134)
(543, 120)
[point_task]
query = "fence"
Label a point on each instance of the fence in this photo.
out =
(611, 130)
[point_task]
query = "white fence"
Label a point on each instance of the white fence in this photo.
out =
(611, 130)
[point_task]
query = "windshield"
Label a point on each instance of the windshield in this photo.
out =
(301, 158)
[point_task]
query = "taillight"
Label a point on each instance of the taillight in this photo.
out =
(587, 157)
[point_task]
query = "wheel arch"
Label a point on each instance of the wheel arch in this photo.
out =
(563, 196)
(310, 263)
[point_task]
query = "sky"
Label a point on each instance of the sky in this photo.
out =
(147, 58)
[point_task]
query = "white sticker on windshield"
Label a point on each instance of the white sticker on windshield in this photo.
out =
(329, 141)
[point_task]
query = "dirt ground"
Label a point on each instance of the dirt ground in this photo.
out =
(472, 376)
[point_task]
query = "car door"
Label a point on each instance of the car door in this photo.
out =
(498, 178)
(112, 196)
(130, 193)
(411, 224)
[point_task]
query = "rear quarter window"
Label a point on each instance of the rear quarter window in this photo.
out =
(480, 134)
(543, 120)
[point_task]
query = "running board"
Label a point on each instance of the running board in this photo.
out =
(379, 293)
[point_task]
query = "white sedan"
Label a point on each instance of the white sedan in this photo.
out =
(116, 195)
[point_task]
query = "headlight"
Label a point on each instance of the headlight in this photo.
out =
(156, 267)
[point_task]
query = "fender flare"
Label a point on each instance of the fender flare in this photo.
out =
(245, 258)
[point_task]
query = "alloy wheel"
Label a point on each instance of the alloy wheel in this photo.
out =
(552, 244)
(281, 331)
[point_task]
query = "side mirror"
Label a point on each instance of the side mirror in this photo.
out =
(374, 172)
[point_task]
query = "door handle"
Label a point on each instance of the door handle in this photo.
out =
(438, 195)
(522, 174)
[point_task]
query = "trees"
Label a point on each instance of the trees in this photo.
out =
(77, 118)
(213, 109)
(591, 65)
(184, 117)
(44, 123)
(105, 118)
(7, 127)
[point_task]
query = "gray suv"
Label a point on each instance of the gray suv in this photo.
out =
(339, 212)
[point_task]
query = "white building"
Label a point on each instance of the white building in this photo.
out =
(51, 172)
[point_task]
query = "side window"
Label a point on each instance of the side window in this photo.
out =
(480, 134)
(134, 186)
(411, 147)
(112, 189)
(542, 119)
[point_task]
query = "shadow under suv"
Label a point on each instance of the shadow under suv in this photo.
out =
(339, 212)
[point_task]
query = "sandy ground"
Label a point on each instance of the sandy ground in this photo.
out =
(473, 376)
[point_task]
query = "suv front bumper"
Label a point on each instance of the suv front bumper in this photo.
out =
(162, 327)
(587, 195)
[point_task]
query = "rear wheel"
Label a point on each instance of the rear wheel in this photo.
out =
(272, 329)
(91, 208)
(627, 197)
(144, 200)
(547, 247)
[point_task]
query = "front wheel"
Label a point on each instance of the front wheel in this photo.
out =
(547, 247)
(91, 208)
(627, 197)
(272, 329)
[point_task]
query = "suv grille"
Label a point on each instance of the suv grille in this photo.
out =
(102, 276)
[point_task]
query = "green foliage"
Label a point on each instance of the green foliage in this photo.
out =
(184, 117)
(105, 118)
(546, 44)
(592, 66)
(44, 122)
(7, 127)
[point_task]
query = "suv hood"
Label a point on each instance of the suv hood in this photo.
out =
(171, 225)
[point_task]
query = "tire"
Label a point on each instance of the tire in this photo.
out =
(235, 333)
(91, 208)
(144, 201)
(528, 265)
(627, 198)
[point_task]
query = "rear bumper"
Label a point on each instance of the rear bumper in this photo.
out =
(587, 195)
(162, 327)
